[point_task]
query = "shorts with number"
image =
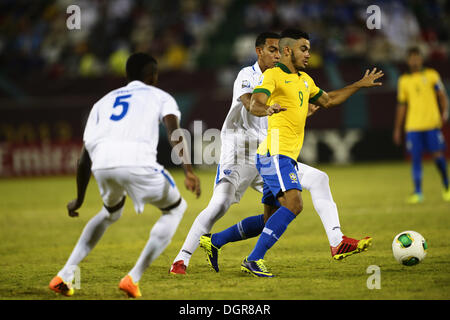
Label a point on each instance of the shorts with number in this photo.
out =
(142, 184)
(425, 141)
(279, 174)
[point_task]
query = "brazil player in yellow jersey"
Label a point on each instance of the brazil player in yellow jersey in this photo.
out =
(283, 94)
(420, 93)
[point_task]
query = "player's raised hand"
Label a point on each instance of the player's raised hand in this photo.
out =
(275, 108)
(192, 183)
(72, 208)
(370, 77)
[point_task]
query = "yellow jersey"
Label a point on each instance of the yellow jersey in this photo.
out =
(418, 91)
(292, 91)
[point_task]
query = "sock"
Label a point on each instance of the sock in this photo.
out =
(441, 164)
(328, 213)
(160, 237)
(318, 184)
(274, 228)
(248, 228)
(218, 205)
(90, 236)
(417, 173)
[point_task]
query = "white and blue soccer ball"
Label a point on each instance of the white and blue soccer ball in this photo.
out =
(409, 248)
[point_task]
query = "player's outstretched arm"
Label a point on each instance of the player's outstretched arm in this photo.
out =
(336, 97)
(259, 108)
(191, 181)
(83, 176)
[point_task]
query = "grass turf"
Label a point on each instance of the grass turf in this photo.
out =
(37, 237)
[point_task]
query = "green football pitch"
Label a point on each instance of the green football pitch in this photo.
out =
(37, 236)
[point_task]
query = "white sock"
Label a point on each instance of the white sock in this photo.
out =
(90, 236)
(160, 237)
(318, 184)
(218, 205)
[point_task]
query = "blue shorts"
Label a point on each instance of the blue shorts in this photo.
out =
(418, 142)
(279, 174)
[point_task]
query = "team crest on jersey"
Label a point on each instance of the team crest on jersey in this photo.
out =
(245, 84)
(306, 84)
(227, 172)
(293, 177)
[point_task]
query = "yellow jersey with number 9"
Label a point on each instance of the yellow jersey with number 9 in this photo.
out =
(292, 91)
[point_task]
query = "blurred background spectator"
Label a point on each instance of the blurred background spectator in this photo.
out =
(195, 34)
(50, 76)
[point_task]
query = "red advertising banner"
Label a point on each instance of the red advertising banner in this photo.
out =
(38, 159)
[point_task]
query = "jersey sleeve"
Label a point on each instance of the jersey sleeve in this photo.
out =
(401, 91)
(169, 106)
(315, 92)
(243, 83)
(266, 83)
(436, 80)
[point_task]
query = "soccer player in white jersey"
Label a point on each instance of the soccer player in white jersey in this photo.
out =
(120, 147)
(241, 132)
(234, 177)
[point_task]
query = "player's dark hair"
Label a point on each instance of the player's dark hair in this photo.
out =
(140, 66)
(294, 34)
(414, 50)
(262, 37)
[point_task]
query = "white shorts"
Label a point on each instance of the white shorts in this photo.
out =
(142, 184)
(241, 176)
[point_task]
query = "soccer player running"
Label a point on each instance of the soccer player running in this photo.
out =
(420, 93)
(234, 177)
(240, 135)
(283, 95)
(120, 147)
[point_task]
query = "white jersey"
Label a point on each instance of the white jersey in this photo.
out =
(123, 127)
(242, 131)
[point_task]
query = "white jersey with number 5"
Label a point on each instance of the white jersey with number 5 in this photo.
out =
(122, 129)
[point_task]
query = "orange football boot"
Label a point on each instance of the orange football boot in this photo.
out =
(59, 286)
(129, 287)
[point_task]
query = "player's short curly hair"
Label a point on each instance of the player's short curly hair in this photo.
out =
(294, 34)
(140, 66)
(288, 36)
(262, 37)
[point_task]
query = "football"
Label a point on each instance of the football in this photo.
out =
(409, 248)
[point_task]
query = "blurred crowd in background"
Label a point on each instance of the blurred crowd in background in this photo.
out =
(34, 35)
(195, 34)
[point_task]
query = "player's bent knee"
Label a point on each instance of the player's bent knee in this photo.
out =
(219, 206)
(115, 212)
(296, 206)
(116, 207)
(113, 217)
(173, 206)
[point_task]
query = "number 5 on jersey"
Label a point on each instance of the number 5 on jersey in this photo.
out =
(120, 101)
